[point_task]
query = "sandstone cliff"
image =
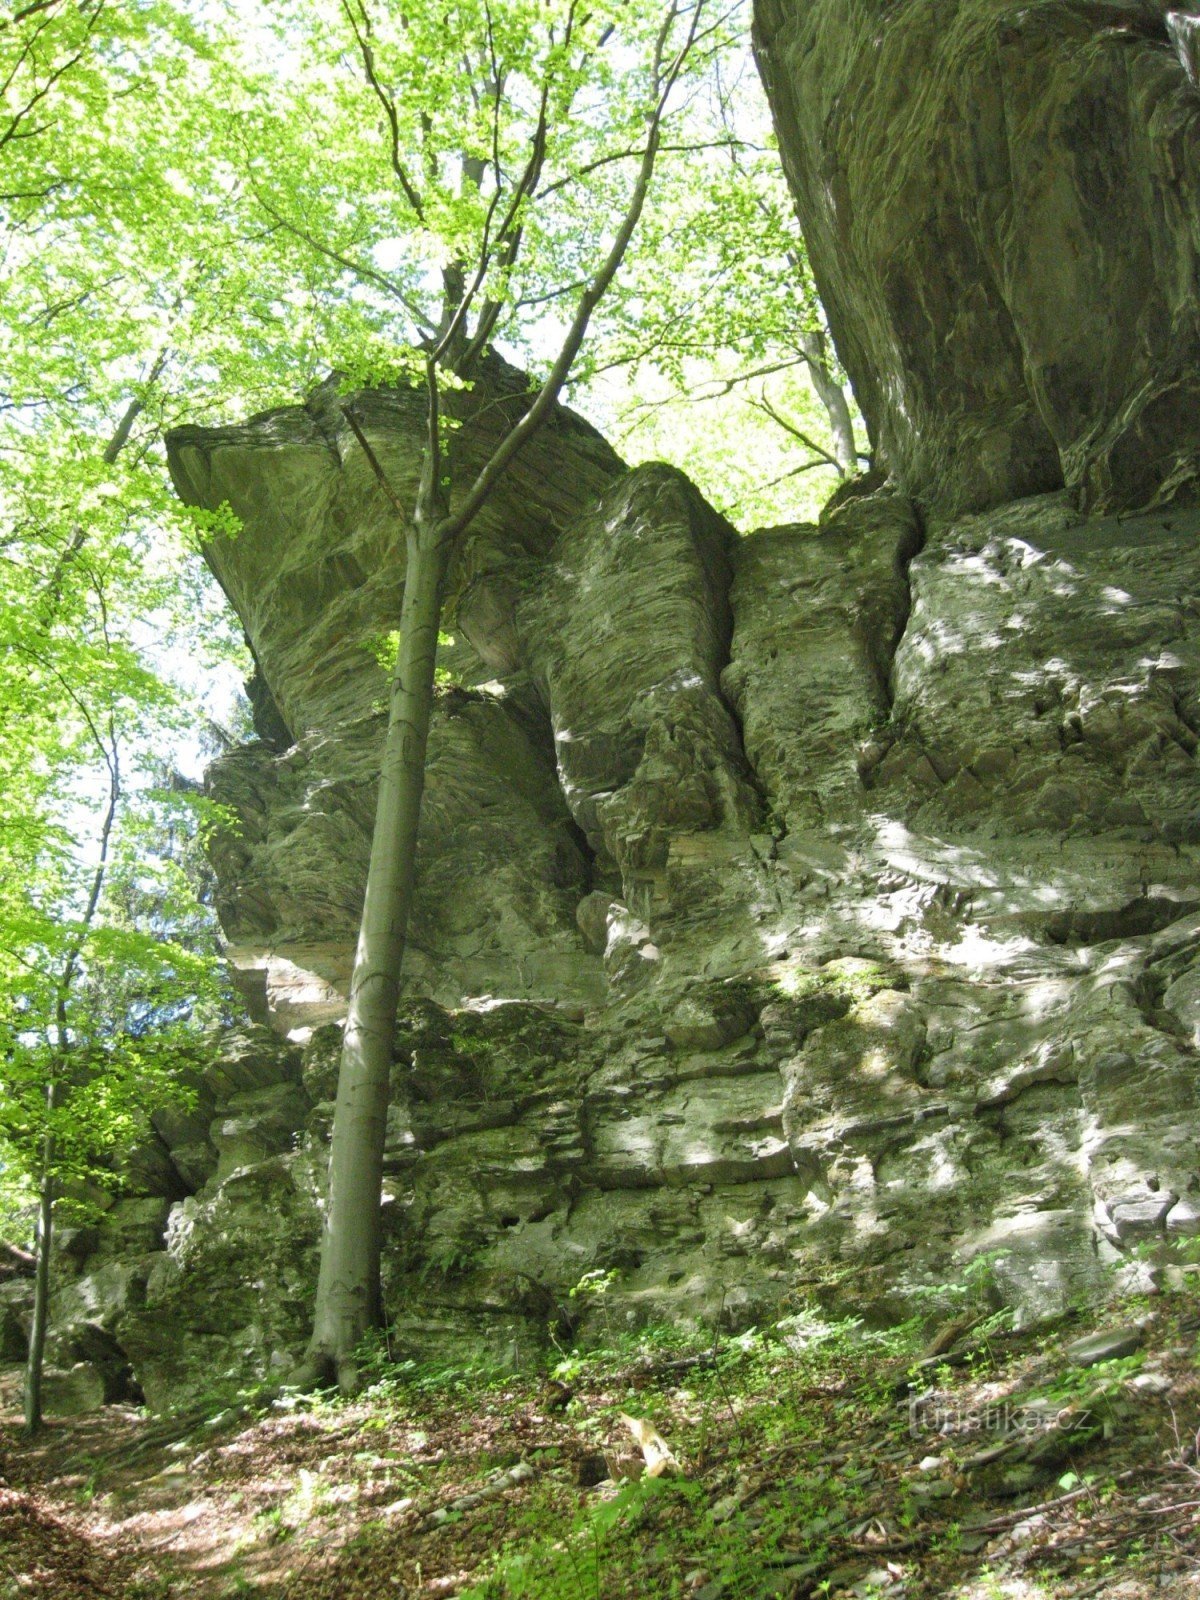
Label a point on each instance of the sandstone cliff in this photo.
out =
(801, 915)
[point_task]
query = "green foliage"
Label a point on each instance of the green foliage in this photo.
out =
(756, 446)
(387, 648)
(18, 1200)
(594, 1285)
(1103, 1378)
(113, 316)
(973, 1293)
(404, 1385)
(427, 118)
(711, 365)
(750, 1396)
(571, 1564)
(107, 961)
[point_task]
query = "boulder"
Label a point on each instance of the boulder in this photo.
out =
(73, 1391)
(1108, 1345)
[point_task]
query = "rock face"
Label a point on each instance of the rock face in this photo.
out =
(196, 1271)
(1001, 201)
(867, 877)
(812, 915)
(316, 580)
(878, 904)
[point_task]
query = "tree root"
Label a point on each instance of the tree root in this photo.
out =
(321, 1369)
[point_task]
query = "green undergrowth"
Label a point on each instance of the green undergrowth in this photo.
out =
(763, 1401)
(950, 1457)
(799, 1464)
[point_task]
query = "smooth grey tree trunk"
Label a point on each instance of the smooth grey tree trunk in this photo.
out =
(833, 397)
(348, 1295)
(41, 1291)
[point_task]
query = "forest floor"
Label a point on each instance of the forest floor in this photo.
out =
(813, 1460)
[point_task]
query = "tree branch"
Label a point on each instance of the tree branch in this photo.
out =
(359, 269)
(664, 78)
(376, 466)
(13, 130)
(134, 410)
(632, 150)
(511, 229)
(385, 100)
(112, 758)
(764, 405)
(26, 12)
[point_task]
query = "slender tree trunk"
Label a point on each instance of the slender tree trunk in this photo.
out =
(348, 1298)
(833, 397)
(111, 756)
(41, 1290)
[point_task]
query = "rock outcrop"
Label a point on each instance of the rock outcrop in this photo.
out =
(806, 915)
(1001, 201)
(316, 581)
(901, 969)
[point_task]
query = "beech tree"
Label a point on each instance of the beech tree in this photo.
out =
(491, 195)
